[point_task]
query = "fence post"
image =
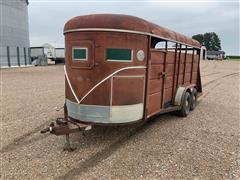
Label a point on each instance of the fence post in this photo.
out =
(25, 56)
(18, 56)
(29, 56)
(8, 56)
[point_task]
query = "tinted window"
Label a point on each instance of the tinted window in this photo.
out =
(119, 54)
(79, 54)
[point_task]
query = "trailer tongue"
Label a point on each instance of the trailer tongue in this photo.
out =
(62, 127)
(66, 126)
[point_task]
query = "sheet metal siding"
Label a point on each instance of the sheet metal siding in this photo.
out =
(85, 75)
(14, 32)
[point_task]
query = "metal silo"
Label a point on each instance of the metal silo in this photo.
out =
(14, 33)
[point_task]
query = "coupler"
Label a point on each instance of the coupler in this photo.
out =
(66, 126)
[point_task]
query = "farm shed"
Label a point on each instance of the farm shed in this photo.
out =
(46, 50)
(56, 55)
(218, 55)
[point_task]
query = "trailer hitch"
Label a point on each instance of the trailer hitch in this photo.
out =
(62, 127)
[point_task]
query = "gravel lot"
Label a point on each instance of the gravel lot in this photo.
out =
(205, 145)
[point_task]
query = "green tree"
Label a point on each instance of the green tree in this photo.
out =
(210, 40)
(199, 38)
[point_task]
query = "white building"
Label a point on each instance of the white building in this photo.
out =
(217, 55)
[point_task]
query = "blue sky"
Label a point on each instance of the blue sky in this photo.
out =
(47, 17)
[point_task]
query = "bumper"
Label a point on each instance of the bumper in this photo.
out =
(105, 114)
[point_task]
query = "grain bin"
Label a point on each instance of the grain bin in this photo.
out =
(14, 33)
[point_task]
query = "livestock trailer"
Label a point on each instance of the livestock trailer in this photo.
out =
(121, 69)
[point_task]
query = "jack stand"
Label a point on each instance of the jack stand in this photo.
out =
(67, 146)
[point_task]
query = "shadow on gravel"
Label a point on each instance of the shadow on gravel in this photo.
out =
(21, 141)
(124, 135)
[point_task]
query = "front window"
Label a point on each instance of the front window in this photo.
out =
(114, 54)
(79, 54)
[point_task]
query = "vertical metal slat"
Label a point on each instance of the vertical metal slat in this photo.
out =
(175, 61)
(185, 61)
(179, 62)
(192, 66)
(164, 76)
(147, 78)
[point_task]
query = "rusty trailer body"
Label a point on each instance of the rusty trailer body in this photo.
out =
(122, 69)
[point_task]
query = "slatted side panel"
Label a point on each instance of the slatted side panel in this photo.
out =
(181, 69)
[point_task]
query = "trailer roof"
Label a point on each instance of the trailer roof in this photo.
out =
(125, 23)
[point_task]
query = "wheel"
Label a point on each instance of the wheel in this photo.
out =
(193, 98)
(186, 105)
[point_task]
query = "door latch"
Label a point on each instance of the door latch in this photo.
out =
(161, 74)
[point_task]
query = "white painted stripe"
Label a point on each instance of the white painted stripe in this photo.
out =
(125, 68)
(94, 87)
(70, 85)
(105, 29)
(111, 91)
(127, 31)
(134, 76)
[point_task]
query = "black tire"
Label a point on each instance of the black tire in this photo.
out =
(193, 103)
(186, 105)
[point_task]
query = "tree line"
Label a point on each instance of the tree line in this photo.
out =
(210, 40)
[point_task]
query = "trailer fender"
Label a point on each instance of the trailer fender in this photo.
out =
(180, 93)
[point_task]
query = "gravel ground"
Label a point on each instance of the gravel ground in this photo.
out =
(205, 145)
